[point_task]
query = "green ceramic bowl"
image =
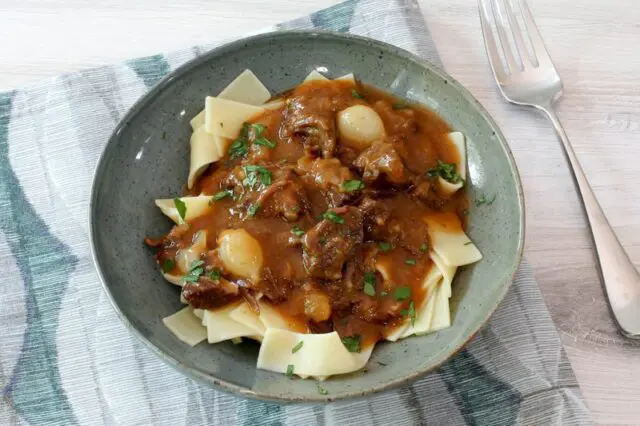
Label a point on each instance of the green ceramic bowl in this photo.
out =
(147, 158)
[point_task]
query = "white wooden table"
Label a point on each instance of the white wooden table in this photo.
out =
(595, 45)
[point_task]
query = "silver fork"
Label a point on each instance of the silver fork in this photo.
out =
(528, 77)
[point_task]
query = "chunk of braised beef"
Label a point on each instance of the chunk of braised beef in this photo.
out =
(285, 198)
(397, 120)
(426, 191)
(207, 293)
(375, 310)
(328, 175)
(331, 242)
(311, 120)
(382, 160)
(275, 287)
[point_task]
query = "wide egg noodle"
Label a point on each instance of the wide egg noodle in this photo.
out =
(205, 149)
(220, 326)
(245, 88)
(173, 279)
(441, 312)
(186, 326)
(195, 206)
(314, 76)
(225, 118)
(272, 318)
(448, 272)
(319, 355)
(348, 77)
(449, 241)
(424, 311)
(244, 315)
(458, 141)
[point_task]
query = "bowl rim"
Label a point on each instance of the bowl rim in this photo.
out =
(275, 36)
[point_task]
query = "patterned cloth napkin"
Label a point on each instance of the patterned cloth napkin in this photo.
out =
(65, 358)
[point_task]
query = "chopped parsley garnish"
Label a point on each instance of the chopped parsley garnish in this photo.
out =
(384, 293)
(333, 217)
(222, 195)
(356, 94)
(402, 293)
(369, 284)
(399, 105)
(321, 390)
(297, 231)
(253, 172)
(381, 363)
(410, 262)
(195, 270)
(239, 148)
(297, 347)
(352, 343)
(424, 247)
(215, 274)
(181, 207)
(446, 171)
(258, 129)
(484, 200)
(411, 312)
(168, 265)
(352, 185)
(265, 142)
(164, 135)
(289, 372)
(385, 246)
(253, 209)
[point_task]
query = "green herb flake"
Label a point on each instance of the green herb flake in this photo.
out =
(369, 284)
(352, 343)
(265, 142)
(195, 270)
(484, 200)
(168, 265)
(258, 129)
(164, 135)
(333, 217)
(411, 313)
(402, 293)
(322, 391)
(384, 293)
(222, 195)
(400, 105)
(196, 264)
(468, 242)
(446, 171)
(385, 246)
(215, 274)
(297, 231)
(181, 207)
(352, 185)
(297, 347)
(239, 148)
(289, 372)
(424, 247)
(410, 262)
(252, 210)
(253, 172)
(381, 363)
(356, 94)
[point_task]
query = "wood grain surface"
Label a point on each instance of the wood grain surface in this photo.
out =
(592, 44)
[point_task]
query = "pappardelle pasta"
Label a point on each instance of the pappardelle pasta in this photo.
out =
(317, 222)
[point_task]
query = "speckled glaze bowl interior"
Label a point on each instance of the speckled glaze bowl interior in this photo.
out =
(147, 158)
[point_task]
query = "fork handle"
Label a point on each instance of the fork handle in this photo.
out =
(620, 277)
